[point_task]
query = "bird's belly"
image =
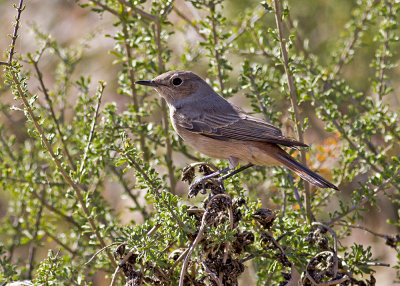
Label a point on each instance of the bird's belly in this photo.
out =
(245, 151)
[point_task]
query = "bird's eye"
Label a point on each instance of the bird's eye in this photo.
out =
(176, 81)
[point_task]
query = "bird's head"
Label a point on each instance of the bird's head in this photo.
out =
(176, 85)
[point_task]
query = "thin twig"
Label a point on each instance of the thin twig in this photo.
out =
(352, 41)
(177, 261)
(368, 263)
(93, 126)
(244, 26)
(35, 63)
(293, 99)
(53, 237)
(127, 190)
(364, 200)
(190, 22)
(385, 236)
(105, 7)
(211, 5)
(34, 182)
(15, 34)
(139, 11)
(32, 247)
(101, 250)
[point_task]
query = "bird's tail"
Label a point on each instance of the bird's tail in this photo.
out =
(305, 173)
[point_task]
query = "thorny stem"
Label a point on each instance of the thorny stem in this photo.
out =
(56, 161)
(101, 250)
(293, 99)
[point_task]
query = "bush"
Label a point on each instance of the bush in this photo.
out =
(298, 65)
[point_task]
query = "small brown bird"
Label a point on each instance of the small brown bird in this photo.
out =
(219, 129)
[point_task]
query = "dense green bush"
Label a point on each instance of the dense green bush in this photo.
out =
(326, 82)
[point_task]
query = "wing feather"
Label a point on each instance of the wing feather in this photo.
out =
(236, 125)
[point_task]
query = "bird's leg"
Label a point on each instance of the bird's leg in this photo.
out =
(235, 172)
(220, 180)
(233, 163)
(212, 175)
(202, 181)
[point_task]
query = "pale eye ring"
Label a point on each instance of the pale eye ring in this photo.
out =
(177, 81)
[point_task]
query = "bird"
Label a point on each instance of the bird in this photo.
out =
(219, 129)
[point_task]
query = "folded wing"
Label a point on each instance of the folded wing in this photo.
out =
(233, 124)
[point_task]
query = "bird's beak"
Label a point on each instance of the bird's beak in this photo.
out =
(147, 82)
